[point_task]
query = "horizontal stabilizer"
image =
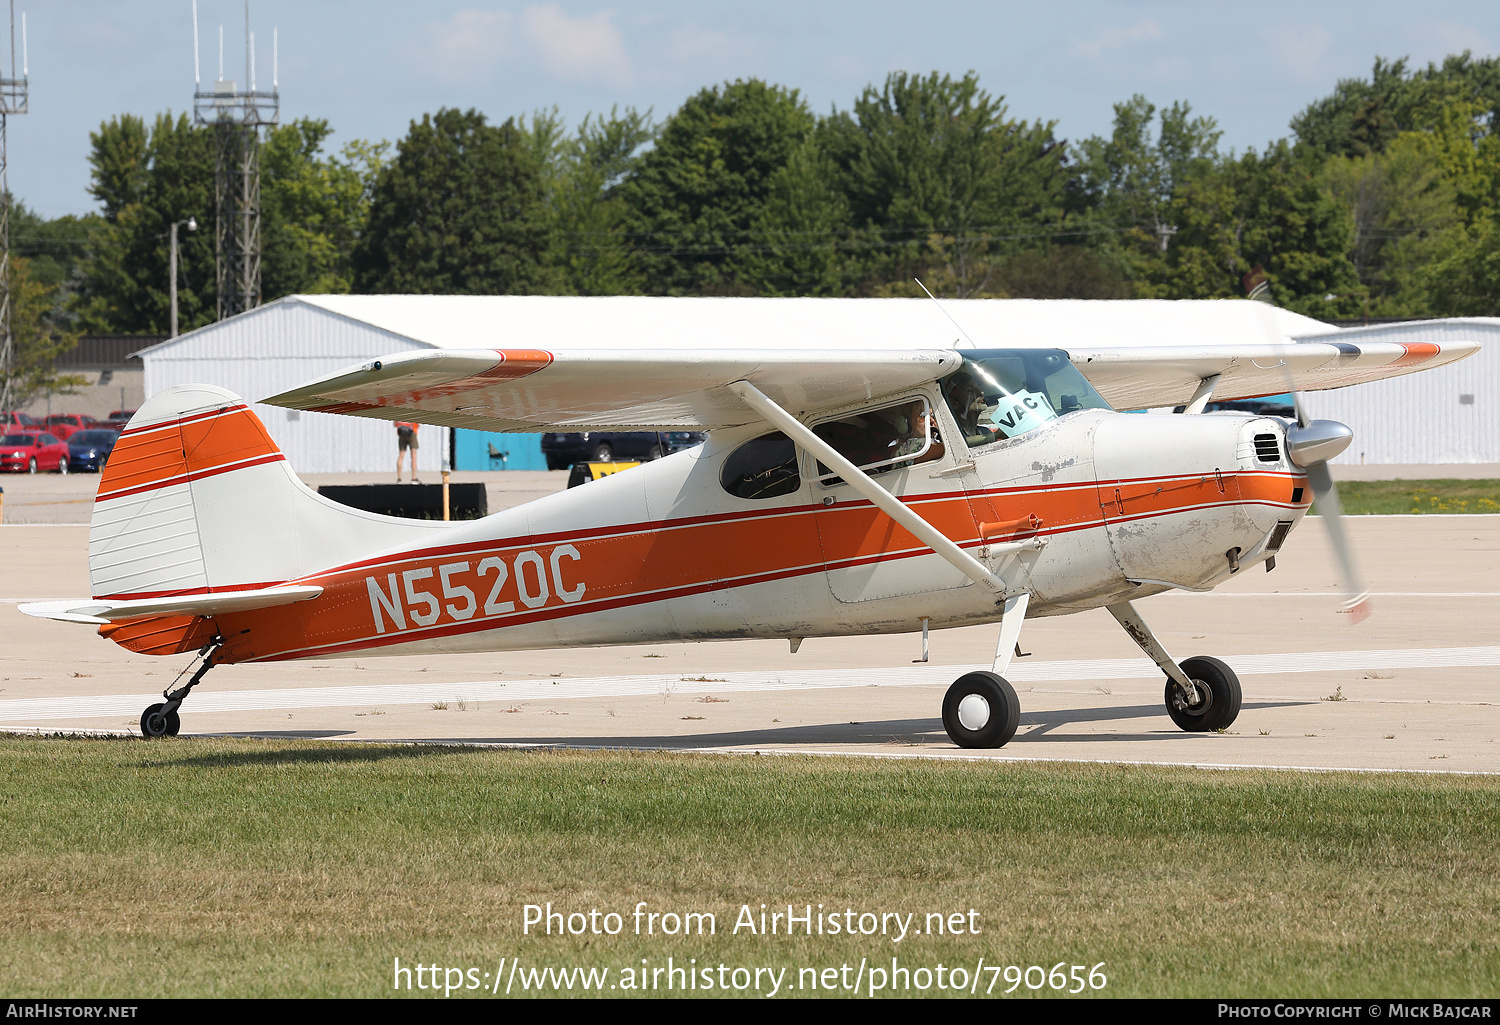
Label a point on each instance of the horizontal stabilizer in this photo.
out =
(100, 611)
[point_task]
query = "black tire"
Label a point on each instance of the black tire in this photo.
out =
(31, 466)
(62, 465)
(998, 714)
(1219, 693)
(603, 453)
(155, 724)
(654, 454)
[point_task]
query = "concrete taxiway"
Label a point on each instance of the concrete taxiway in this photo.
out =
(1416, 687)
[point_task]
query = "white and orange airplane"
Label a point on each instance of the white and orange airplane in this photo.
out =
(840, 492)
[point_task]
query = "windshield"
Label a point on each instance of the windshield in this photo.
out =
(1005, 393)
(94, 437)
(19, 439)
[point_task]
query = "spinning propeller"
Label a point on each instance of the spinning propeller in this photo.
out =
(1310, 444)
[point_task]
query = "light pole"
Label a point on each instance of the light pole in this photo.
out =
(192, 225)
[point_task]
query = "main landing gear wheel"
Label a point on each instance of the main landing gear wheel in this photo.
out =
(155, 724)
(1218, 702)
(981, 710)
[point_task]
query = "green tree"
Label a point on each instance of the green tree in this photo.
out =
(694, 198)
(461, 209)
(37, 338)
(585, 181)
(124, 286)
(1364, 116)
(1127, 183)
(801, 237)
(936, 174)
(313, 208)
(1265, 210)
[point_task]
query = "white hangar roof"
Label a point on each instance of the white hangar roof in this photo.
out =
(308, 326)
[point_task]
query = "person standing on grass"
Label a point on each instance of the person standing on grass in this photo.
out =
(406, 438)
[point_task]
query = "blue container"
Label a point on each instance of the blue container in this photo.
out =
(481, 450)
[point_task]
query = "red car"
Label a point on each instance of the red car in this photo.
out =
(33, 451)
(20, 421)
(64, 424)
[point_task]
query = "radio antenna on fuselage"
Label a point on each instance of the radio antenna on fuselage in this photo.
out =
(978, 368)
(946, 314)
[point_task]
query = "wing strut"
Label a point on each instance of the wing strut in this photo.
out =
(861, 482)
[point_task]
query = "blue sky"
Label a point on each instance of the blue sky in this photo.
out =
(369, 68)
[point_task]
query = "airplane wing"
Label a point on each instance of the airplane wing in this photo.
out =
(526, 391)
(1139, 377)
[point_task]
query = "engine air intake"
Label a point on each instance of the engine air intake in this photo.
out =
(1266, 448)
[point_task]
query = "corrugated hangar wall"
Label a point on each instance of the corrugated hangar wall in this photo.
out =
(282, 345)
(1448, 415)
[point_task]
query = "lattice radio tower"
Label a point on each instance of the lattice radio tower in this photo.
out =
(13, 98)
(236, 116)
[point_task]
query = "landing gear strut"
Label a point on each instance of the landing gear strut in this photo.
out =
(161, 720)
(1203, 694)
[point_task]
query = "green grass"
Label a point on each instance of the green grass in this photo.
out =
(1385, 497)
(279, 868)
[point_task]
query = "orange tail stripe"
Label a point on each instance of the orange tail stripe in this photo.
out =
(180, 451)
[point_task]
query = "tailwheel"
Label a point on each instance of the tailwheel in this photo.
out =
(1217, 702)
(981, 710)
(156, 721)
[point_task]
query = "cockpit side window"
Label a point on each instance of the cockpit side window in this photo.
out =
(883, 439)
(1005, 393)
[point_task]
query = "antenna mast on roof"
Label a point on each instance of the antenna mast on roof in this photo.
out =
(236, 116)
(14, 95)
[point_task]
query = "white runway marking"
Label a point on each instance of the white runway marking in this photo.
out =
(513, 691)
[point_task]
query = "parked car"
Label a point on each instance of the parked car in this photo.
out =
(562, 450)
(121, 415)
(33, 451)
(62, 425)
(13, 420)
(90, 449)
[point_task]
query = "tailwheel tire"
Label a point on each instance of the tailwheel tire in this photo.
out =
(1218, 696)
(981, 710)
(156, 724)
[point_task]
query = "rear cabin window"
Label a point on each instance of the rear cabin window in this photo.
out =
(765, 467)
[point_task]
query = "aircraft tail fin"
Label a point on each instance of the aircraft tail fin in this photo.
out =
(197, 499)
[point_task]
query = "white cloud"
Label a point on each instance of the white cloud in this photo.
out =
(1302, 50)
(1458, 38)
(471, 42)
(1113, 38)
(578, 49)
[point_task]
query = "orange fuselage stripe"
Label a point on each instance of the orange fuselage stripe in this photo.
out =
(639, 563)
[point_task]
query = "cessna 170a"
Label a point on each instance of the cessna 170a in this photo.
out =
(840, 492)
